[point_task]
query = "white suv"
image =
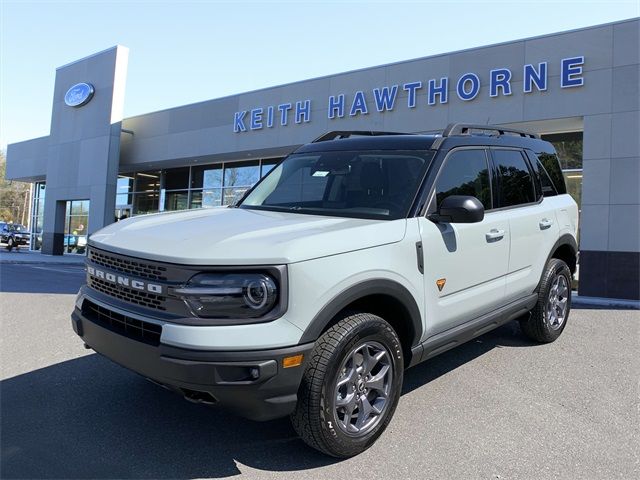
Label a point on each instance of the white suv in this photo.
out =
(360, 255)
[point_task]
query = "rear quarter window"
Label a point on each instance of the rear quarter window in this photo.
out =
(551, 165)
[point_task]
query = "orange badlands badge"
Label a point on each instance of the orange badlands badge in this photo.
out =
(440, 283)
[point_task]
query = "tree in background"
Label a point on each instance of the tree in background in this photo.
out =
(14, 197)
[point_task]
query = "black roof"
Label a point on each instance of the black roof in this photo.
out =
(454, 135)
(376, 142)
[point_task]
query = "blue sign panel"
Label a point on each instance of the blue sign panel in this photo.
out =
(78, 95)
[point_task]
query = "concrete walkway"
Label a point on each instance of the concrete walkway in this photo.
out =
(26, 256)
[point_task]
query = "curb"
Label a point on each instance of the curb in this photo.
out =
(27, 262)
(605, 302)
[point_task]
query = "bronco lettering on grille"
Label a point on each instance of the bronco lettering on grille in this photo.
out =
(124, 281)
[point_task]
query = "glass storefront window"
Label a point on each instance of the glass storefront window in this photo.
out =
(147, 181)
(196, 199)
(176, 178)
(200, 186)
(123, 190)
(569, 148)
(80, 207)
(145, 202)
(176, 200)
(206, 176)
(241, 174)
(573, 180)
(233, 194)
(206, 198)
(37, 216)
(76, 226)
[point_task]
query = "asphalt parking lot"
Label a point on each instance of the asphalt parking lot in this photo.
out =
(496, 408)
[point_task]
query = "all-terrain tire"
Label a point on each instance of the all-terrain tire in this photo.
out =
(318, 418)
(544, 324)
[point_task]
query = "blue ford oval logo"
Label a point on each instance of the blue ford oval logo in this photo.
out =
(79, 94)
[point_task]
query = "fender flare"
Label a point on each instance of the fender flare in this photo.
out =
(565, 239)
(379, 286)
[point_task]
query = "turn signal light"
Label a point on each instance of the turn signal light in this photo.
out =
(294, 361)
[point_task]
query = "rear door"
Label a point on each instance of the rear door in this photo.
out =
(465, 265)
(532, 222)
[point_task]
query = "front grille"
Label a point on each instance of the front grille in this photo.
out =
(144, 299)
(130, 266)
(139, 330)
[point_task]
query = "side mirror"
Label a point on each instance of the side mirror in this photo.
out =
(459, 209)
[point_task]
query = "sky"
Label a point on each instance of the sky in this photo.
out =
(183, 52)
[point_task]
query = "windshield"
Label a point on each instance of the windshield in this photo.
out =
(363, 184)
(14, 227)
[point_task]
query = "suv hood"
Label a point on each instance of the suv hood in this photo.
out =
(236, 236)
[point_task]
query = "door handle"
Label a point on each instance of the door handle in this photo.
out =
(545, 223)
(494, 235)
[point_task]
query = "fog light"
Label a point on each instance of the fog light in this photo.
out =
(293, 361)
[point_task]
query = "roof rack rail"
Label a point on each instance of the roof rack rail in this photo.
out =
(466, 128)
(340, 134)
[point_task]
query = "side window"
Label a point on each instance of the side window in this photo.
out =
(516, 183)
(544, 180)
(465, 172)
(551, 165)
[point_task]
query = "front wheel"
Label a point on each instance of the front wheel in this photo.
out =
(350, 387)
(10, 244)
(548, 318)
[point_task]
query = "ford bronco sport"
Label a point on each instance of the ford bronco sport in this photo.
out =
(360, 255)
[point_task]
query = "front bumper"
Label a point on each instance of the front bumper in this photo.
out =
(19, 241)
(251, 383)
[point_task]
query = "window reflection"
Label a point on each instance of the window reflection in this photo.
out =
(200, 186)
(465, 172)
(145, 202)
(76, 226)
(177, 200)
(233, 195)
(241, 175)
(207, 176)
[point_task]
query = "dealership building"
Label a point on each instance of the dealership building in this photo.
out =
(578, 89)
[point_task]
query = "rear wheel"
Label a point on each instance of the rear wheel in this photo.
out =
(351, 386)
(548, 318)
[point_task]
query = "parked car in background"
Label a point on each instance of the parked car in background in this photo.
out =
(14, 235)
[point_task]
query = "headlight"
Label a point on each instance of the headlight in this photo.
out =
(229, 295)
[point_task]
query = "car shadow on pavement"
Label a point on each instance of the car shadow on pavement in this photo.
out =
(90, 418)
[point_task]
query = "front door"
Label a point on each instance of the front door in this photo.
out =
(465, 265)
(76, 226)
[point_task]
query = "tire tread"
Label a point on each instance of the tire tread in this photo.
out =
(534, 325)
(305, 419)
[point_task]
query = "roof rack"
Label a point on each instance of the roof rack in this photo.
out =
(340, 134)
(466, 128)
